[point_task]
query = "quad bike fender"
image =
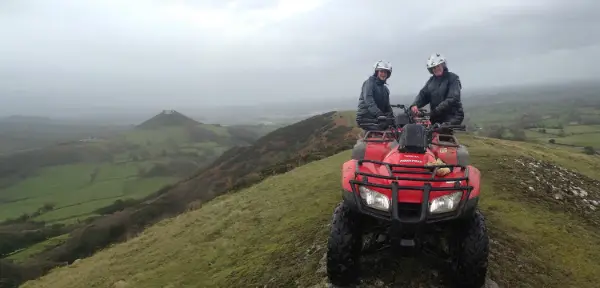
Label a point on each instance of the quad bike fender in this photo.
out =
(348, 169)
(372, 150)
(449, 150)
(452, 155)
(474, 181)
(470, 206)
(446, 154)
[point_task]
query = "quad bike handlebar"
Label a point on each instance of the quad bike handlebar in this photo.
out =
(445, 126)
(407, 111)
(425, 115)
(422, 118)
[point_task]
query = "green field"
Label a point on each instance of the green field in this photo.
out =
(23, 255)
(573, 122)
(72, 191)
(276, 234)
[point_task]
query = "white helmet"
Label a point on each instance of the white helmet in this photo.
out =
(434, 60)
(382, 65)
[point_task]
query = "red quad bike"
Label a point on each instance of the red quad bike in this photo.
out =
(390, 193)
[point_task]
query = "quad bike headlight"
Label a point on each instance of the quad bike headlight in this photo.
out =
(374, 199)
(446, 203)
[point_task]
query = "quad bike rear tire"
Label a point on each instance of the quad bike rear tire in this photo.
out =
(344, 247)
(470, 261)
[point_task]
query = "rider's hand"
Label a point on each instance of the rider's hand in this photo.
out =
(415, 110)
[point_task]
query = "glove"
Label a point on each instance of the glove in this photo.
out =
(415, 110)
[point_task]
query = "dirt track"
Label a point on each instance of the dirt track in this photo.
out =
(381, 269)
(385, 271)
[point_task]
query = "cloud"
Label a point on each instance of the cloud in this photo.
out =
(158, 53)
(238, 19)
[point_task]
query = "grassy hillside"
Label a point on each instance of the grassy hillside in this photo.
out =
(279, 151)
(274, 233)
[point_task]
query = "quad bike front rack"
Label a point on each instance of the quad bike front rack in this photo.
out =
(411, 213)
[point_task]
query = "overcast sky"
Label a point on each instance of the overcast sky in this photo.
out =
(75, 54)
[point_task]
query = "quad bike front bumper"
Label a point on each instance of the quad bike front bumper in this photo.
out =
(408, 222)
(409, 213)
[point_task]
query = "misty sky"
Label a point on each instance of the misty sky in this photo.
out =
(73, 54)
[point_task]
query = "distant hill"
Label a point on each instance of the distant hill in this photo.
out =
(274, 234)
(167, 118)
(25, 119)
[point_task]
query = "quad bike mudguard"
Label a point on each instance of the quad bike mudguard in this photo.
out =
(446, 147)
(374, 145)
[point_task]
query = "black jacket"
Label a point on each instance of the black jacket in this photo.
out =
(374, 101)
(443, 96)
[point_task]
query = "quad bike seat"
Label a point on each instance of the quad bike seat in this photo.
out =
(402, 119)
(413, 139)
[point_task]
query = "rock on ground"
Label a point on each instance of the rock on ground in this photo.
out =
(564, 188)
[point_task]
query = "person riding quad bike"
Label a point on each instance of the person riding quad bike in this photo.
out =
(441, 92)
(374, 100)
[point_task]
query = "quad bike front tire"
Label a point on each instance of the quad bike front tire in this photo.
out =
(470, 261)
(344, 247)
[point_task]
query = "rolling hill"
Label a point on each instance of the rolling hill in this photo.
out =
(168, 118)
(81, 176)
(273, 234)
(279, 151)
